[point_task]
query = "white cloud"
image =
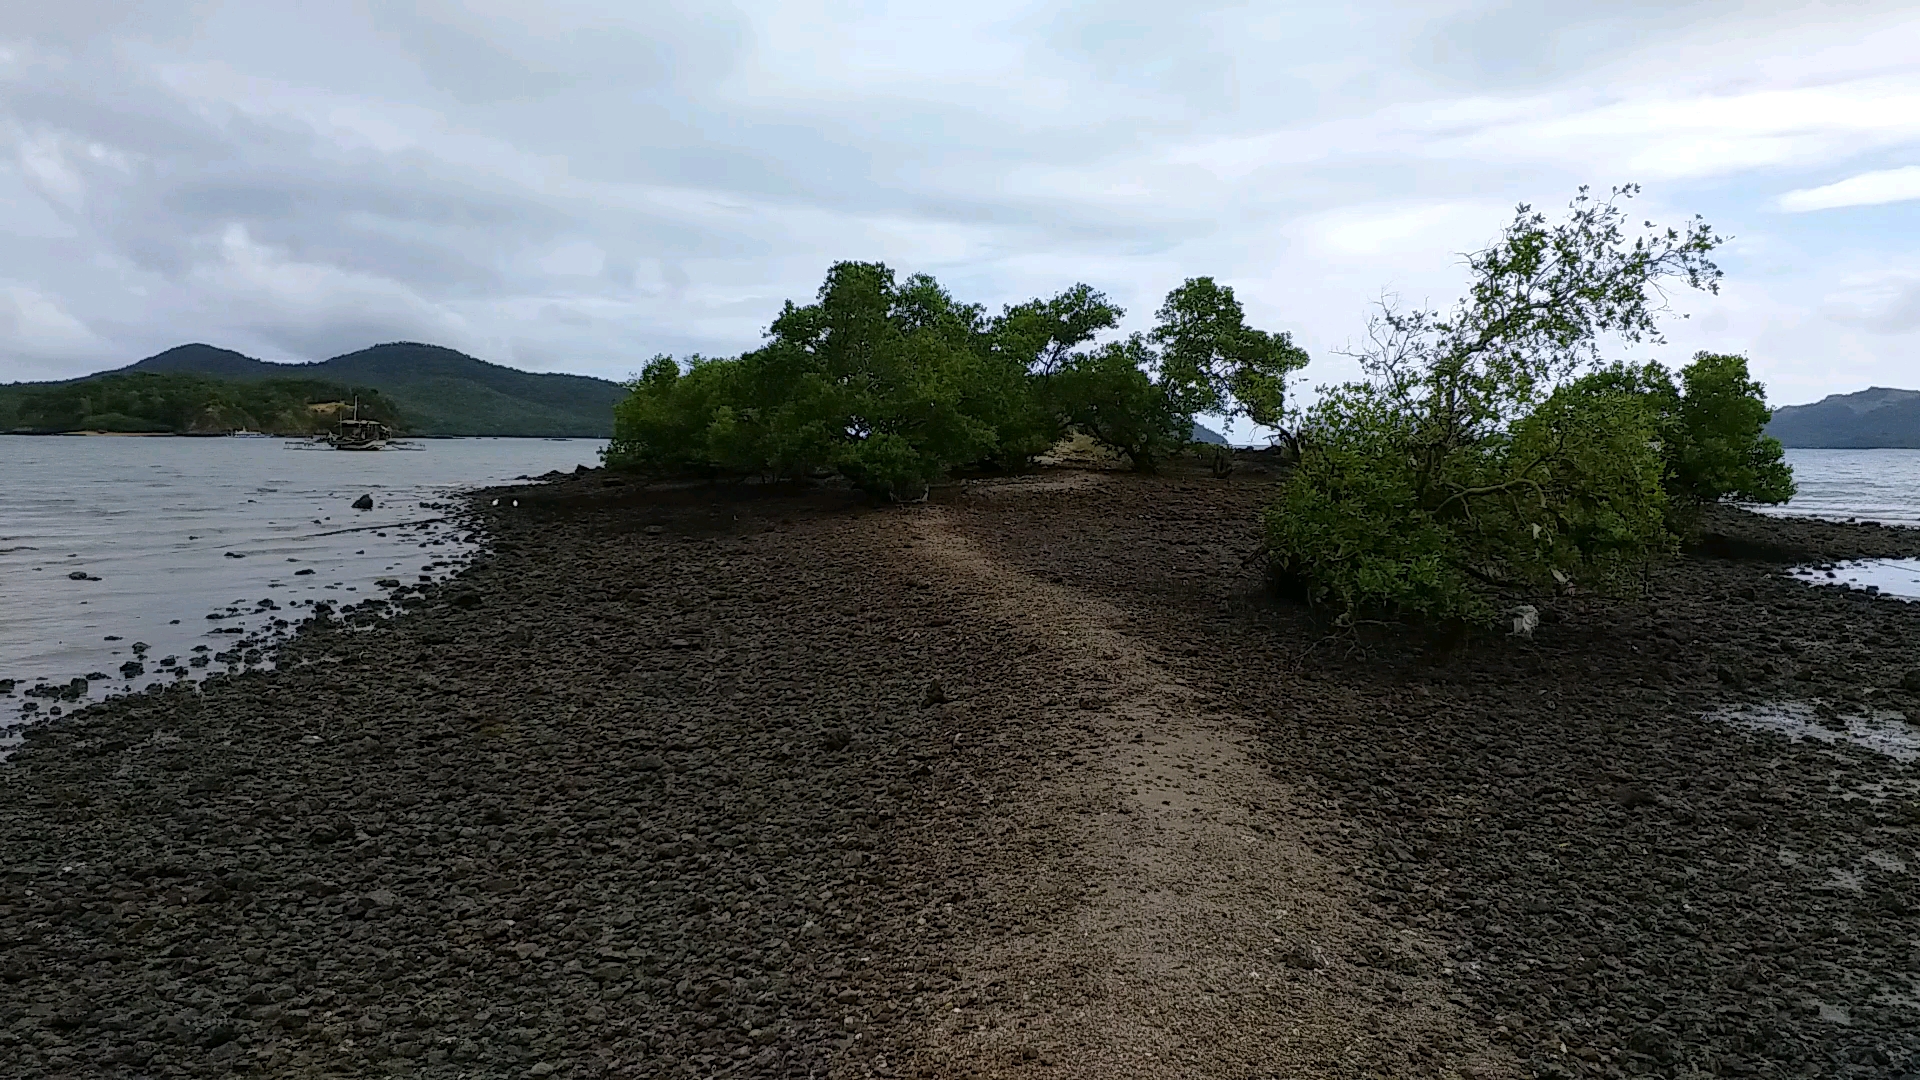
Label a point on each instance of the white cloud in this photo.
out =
(1866, 189)
(1394, 230)
(1887, 303)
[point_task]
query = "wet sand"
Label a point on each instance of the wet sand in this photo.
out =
(1032, 780)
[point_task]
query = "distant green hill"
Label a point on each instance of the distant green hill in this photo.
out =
(438, 391)
(1205, 434)
(1872, 418)
(185, 404)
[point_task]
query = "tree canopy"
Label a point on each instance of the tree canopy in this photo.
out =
(1490, 452)
(893, 382)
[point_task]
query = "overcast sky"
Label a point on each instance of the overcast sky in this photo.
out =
(571, 185)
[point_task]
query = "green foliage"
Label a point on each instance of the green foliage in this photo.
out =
(185, 404)
(888, 383)
(1213, 362)
(1711, 431)
(1472, 463)
(892, 383)
(1726, 453)
(1108, 394)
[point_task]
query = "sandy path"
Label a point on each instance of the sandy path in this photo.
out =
(1187, 926)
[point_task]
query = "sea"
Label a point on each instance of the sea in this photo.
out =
(123, 559)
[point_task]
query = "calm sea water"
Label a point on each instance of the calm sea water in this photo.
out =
(1859, 485)
(1870, 485)
(178, 530)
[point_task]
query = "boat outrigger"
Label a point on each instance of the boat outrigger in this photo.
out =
(358, 434)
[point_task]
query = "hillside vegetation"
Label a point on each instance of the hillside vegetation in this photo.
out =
(153, 402)
(1869, 419)
(437, 391)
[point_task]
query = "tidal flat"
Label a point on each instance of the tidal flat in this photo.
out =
(1034, 779)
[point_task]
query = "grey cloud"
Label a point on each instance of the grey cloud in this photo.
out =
(306, 179)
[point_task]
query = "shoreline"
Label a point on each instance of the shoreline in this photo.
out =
(671, 781)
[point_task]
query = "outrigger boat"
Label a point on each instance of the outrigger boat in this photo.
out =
(358, 434)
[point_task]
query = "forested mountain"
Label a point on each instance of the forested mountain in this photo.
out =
(438, 391)
(1876, 417)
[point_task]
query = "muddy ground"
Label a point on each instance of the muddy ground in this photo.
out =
(1034, 779)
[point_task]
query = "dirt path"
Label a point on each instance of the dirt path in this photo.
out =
(1189, 926)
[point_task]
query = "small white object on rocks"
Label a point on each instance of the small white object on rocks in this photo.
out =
(1526, 619)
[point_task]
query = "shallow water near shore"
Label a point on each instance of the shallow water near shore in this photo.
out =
(1888, 577)
(188, 546)
(1883, 731)
(1861, 485)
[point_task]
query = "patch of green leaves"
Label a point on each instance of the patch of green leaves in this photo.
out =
(1488, 455)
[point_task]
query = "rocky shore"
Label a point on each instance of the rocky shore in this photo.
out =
(1032, 780)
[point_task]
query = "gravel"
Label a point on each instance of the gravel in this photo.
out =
(646, 791)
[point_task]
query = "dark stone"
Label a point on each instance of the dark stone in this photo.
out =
(364, 502)
(77, 575)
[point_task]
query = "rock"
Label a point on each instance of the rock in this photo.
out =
(836, 739)
(388, 583)
(132, 669)
(935, 694)
(1910, 682)
(303, 573)
(1306, 957)
(1629, 796)
(364, 502)
(236, 555)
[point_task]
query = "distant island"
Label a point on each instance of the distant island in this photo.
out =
(424, 390)
(1875, 418)
(167, 403)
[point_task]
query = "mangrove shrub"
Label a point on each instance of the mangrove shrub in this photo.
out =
(1473, 461)
(892, 383)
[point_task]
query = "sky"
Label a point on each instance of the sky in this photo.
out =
(572, 185)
